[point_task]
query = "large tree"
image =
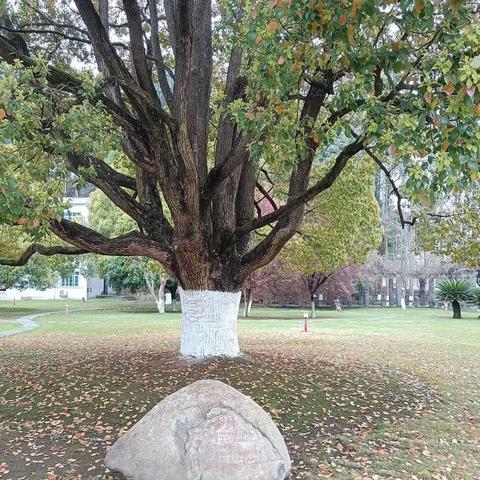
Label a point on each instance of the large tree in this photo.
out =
(192, 103)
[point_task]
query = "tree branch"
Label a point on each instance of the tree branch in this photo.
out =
(42, 250)
(131, 244)
(157, 54)
(293, 203)
(139, 59)
(218, 174)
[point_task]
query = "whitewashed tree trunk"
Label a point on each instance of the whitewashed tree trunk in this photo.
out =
(160, 306)
(314, 313)
(209, 323)
(160, 300)
(245, 304)
(249, 307)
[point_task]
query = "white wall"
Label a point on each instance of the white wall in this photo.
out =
(54, 293)
(94, 287)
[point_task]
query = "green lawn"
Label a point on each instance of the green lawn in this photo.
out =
(365, 394)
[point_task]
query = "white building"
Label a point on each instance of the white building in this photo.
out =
(75, 286)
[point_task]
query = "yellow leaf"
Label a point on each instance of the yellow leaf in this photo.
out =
(418, 7)
(279, 108)
(297, 64)
(355, 6)
(259, 40)
(253, 14)
(324, 59)
(445, 145)
(427, 96)
(2, 113)
(314, 27)
(477, 110)
(281, 60)
(449, 88)
(455, 4)
(424, 199)
(272, 26)
(315, 138)
(250, 116)
(351, 35)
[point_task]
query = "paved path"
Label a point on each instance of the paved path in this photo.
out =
(27, 323)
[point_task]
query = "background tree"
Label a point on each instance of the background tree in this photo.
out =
(476, 297)
(194, 112)
(342, 227)
(341, 285)
(132, 273)
(454, 230)
(455, 291)
(267, 282)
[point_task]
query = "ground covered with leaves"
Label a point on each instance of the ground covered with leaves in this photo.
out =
(366, 394)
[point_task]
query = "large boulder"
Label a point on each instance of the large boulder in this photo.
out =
(204, 431)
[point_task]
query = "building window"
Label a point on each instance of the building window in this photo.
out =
(72, 216)
(70, 281)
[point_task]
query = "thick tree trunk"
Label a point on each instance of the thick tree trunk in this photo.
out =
(457, 311)
(209, 323)
(314, 313)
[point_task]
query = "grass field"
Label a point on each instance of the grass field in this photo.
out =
(365, 394)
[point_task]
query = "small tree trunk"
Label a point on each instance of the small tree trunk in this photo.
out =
(174, 304)
(366, 296)
(160, 300)
(249, 307)
(245, 302)
(160, 305)
(209, 323)
(314, 314)
(457, 311)
(422, 282)
(391, 293)
(399, 291)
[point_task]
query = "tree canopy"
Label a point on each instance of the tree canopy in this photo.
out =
(179, 110)
(455, 230)
(342, 227)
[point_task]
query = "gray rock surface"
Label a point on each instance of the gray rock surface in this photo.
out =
(205, 431)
